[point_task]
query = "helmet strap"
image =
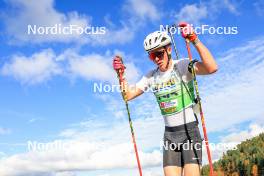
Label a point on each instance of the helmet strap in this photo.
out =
(169, 57)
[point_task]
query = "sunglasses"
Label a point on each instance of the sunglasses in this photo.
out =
(158, 54)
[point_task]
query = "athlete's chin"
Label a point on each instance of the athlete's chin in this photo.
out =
(162, 68)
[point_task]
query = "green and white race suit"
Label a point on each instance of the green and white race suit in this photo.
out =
(175, 100)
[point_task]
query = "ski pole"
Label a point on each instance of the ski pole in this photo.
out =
(201, 110)
(198, 98)
(119, 75)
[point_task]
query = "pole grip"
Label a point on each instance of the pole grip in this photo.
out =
(118, 71)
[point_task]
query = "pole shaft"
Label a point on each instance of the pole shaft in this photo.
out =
(201, 112)
(130, 124)
(134, 139)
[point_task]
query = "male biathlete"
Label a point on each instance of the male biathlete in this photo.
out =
(172, 84)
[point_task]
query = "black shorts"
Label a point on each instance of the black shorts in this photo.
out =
(182, 145)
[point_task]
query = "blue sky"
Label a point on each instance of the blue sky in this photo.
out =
(47, 83)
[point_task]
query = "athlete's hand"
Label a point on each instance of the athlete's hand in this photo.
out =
(187, 31)
(118, 65)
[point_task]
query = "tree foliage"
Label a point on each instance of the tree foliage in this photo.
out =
(246, 160)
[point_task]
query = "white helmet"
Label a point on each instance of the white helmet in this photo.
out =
(156, 40)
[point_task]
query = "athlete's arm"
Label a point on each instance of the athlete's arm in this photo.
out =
(208, 64)
(131, 92)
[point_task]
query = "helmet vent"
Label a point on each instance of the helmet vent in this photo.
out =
(163, 39)
(156, 38)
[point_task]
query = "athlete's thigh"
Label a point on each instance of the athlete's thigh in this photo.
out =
(192, 170)
(172, 171)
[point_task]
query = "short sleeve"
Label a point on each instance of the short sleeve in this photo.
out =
(182, 65)
(145, 81)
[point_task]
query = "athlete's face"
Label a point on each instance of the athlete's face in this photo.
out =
(160, 57)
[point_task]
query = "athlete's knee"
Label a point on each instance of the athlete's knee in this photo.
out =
(172, 171)
(192, 170)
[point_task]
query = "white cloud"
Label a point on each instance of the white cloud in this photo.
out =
(2, 154)
(32, 120)
(65, 174)
(143, 9)
(94, 146)
(40, 13)
(231, 6)
(217, 6)
(96, 66)
(192, 13)
(135, 17)
(80, 155)
(259, 6)
(43, 13)
(142, 124)
(34, 69)
(234, 94)
(4, 131)
(197, 12)
(253, 131)
(91, 66)
(42, 66)
(154, 171)
(122, 35)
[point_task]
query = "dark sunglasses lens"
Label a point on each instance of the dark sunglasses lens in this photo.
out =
(159, 54)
